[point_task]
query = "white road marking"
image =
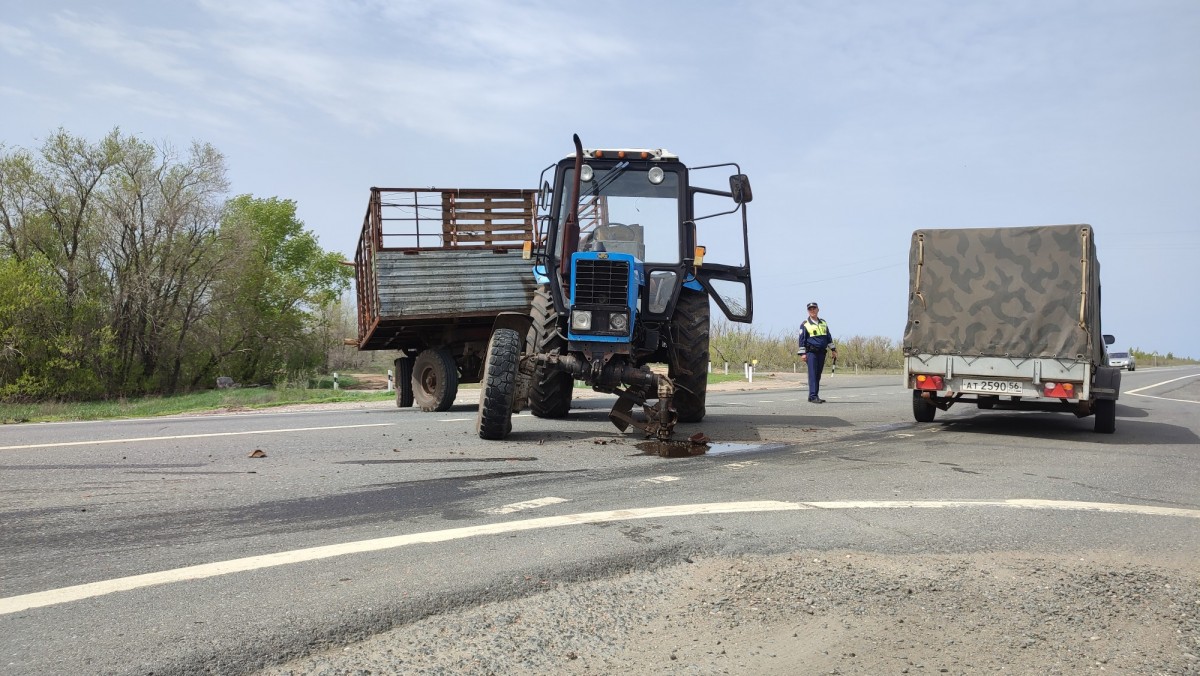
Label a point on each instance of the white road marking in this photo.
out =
(16, 604)
(189, 436)
(528, 504)
(662, 479)
(1137, 392)
(741, 465)
(515, 415)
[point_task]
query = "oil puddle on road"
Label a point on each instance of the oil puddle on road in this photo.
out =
(689, 449)
(407, 461)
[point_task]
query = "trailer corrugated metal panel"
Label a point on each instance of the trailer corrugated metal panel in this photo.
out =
(451, 283)
(434, 267)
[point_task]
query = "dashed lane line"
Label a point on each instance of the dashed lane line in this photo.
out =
(521, 506)
(16, 604)
(188, 436)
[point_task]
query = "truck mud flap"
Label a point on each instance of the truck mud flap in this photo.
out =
(1107, 384)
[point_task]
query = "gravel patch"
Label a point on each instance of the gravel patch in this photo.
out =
(815, 613)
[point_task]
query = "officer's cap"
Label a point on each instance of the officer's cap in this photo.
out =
(812, 305)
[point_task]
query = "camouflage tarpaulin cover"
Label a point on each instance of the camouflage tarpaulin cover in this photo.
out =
(1005, 292)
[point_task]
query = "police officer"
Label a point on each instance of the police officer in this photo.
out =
(814, 341)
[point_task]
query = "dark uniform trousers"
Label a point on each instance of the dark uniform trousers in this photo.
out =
(816, 364)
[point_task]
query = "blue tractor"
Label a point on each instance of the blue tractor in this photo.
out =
(622, 285)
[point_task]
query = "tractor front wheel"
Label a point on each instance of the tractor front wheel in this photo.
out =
(499, 385)
(550, 394)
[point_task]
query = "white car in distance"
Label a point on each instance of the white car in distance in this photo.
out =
(1123, 360)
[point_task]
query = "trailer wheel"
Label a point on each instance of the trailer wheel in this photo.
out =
(404, 384)
(435, 380)
(688, 367)
(923, 409)
(499, 385)
(1106, 416)
(550, 395)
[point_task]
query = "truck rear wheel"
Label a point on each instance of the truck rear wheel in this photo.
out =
(550, 394)
(923, 409)
(435, 380)
(404, 384)
(688, 367)
(1106, 416)
(499, 385)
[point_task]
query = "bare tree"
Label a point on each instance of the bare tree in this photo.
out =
(158, 253)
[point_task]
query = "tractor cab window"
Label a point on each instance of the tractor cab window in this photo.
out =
(621, 210)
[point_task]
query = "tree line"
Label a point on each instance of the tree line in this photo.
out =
(126, 269)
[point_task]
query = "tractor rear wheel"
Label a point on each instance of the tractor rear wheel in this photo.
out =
(688, 367)
(550, 394)
(499, 385)
(404, 382)
(435, 380)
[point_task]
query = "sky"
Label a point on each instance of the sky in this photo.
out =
(856, 121)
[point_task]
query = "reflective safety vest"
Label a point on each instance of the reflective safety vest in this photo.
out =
(818, 329)
(816, 335)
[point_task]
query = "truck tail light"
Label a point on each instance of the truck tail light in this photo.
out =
(925, 382)
(1059, 390)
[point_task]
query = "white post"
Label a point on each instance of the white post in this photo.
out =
(745, 369)
(726, 368)
(710, 367)
(335, 380)
(391, 381)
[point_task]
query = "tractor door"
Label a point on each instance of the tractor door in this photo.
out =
(717, 231)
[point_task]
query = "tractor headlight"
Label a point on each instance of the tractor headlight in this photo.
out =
(581, 320)
(618, 321)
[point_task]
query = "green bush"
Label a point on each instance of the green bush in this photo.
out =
(738, 344)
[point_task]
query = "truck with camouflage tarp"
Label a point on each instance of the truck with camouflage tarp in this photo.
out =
(1008, 318)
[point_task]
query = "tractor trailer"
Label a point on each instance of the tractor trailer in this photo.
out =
(433, 270)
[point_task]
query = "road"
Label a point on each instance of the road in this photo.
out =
(163, 546)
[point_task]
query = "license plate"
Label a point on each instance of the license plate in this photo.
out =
(992, 386)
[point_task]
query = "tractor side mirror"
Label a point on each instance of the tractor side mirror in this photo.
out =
(739, 185)
(1109, 339)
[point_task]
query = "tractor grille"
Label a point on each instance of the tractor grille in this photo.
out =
(601, 282)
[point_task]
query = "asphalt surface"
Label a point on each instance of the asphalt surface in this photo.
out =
(358, 520)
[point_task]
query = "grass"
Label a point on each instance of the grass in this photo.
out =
(209, 400)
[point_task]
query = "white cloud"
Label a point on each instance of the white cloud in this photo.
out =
(165, 54)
